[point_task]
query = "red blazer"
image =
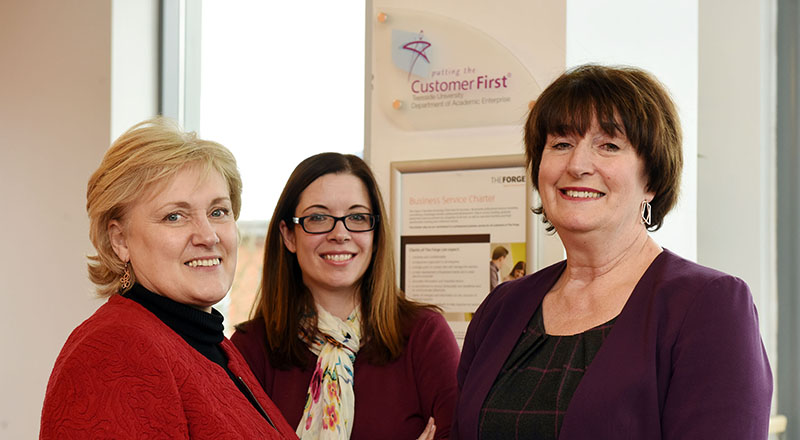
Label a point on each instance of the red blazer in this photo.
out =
(124, 374)
(684, 359)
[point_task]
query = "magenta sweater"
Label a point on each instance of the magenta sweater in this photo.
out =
(393, 401)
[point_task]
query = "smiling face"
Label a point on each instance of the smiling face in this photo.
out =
(180, 238)
(332, 262)
(592, 183)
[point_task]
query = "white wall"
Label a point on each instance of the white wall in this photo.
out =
(736, 167)
(55, 125)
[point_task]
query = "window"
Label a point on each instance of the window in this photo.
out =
(275, 82)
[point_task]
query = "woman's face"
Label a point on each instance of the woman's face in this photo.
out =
(592, 183)
(519, 273)
(332, 262)
(180, 238)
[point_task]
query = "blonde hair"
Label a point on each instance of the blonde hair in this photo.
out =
(146, 155)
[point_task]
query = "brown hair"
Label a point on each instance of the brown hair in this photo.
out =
(624, 100)
(519, 266)
(499, 252)
(148, 154)
(283, 298)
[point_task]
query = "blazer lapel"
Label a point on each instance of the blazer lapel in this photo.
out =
(508, 322)
(620, 373)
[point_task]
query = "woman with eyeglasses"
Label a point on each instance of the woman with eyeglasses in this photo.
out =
(334, 342)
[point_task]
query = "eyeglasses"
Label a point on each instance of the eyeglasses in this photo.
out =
(323, 223)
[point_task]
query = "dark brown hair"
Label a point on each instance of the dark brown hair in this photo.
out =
(519, 266)
(283, 298)
(624, 100)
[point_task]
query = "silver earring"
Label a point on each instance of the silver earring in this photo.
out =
(645, 212)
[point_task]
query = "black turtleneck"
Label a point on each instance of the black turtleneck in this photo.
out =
(201, 330)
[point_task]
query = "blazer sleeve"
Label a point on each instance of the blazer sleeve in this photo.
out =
(112, 386)
(721, 384)
(435, 354)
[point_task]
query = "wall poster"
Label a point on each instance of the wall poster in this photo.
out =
(464, 225)
(435, 72)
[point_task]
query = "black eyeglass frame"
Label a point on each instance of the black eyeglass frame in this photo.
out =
(301, 221)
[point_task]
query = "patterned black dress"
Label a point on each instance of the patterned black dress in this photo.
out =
(531, 394)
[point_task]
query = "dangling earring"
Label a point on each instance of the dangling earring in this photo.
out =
(645, 212)
(125, 279)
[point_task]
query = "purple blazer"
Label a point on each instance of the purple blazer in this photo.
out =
(684, 359)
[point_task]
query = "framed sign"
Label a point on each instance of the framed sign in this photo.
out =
(462, 226)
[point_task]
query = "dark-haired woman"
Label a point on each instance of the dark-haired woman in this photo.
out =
(623, 339)
(334, 342)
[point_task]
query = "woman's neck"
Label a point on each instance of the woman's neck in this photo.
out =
(589, 258)
(338, 303)
(596, 284)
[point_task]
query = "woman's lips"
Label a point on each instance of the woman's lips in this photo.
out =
(204, 262)
(338, 257)
(582, 193)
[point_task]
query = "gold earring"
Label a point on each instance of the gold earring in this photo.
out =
(125, 280)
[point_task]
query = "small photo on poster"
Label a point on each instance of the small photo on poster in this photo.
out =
(507, 261)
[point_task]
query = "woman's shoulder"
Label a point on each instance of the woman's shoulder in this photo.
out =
(119, 320)
(119, 333)
(250, 336)
(672, 273)
(430, 339)
(250, 339)
(679, 288)
(425, 314)
(423, 320)
(250, 328)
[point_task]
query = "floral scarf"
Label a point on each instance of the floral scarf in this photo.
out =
(330, 401)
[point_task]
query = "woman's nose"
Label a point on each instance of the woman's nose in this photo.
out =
(339, 232)
(580, 160)
(205, 234)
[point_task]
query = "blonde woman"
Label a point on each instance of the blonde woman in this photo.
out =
(152, 362)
